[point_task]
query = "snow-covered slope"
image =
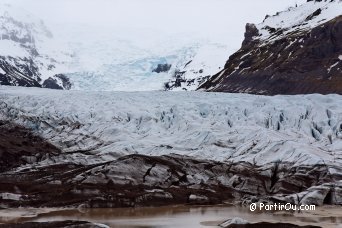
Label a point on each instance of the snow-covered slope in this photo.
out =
(29, 56)
(225, 127)
(196, 66)
(298, 19)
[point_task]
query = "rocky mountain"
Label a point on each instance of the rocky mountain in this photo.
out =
(23, 59)
(297, 51)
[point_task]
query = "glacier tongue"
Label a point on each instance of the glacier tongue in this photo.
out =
(302, 129)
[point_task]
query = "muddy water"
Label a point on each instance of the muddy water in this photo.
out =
(175, 216)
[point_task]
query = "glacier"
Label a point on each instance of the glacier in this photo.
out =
(300, 129)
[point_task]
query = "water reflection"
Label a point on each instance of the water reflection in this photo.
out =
(173, 216)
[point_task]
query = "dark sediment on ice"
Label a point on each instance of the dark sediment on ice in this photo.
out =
(33, 175)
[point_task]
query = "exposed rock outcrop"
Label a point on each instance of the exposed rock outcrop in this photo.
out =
(162, 68)
(19, 73)
(59, 81)
(18, 146)
(251, 33)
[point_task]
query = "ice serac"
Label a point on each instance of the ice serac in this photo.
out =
(297, 51)
(23, 60)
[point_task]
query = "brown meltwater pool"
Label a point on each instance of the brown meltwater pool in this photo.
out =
(172, 216)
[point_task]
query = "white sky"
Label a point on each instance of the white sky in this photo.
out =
(207, 18)
(124, 29)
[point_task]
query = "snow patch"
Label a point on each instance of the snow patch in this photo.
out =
(332, 66)
(11, 48)
(2, 71)
(10, 196)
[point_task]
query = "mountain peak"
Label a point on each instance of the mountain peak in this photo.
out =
(296, 51)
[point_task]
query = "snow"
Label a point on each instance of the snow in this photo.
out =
(194, 197)
(234, 221)
(23, 34)
(9, 196)
(101, 225)
(2, 71)
(332, 66)
(198, 62)
(302, 129)
(295, 18)
(11, 48)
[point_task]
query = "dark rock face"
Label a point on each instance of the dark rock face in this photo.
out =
(314, 14)
(162, 68)
(250, 34)
(25, 72)
(301, 62)
(18, 73)
(52, 82)
(18, 146)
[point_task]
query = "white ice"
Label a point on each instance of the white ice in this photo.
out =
(303, 129)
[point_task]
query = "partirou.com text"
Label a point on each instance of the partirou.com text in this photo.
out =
(281, 207)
